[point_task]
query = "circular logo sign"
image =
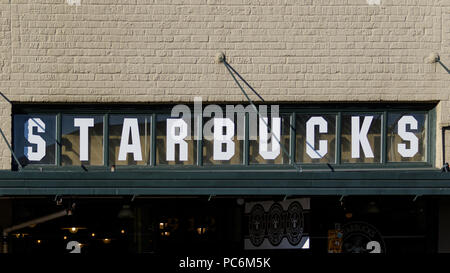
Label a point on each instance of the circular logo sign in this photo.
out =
(294, 223)
(257, 225)
(275, 224)
(361, 237)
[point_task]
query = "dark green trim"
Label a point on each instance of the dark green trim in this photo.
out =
(246, 151)
(106, 140)
(153, 141)
(199, 141)
(338, 138)
(58, 129)
(384, 151)
(292, 140)
(273, 167)
(431, 134)
(411, 182)
(148, 140)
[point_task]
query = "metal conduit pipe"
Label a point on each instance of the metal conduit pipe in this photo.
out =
(445, 166)
(36, 221)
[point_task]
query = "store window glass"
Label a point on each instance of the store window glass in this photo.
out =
(129, 139)
(315, 138)
(406, 137)
(81, 140)
(175, 143)
(264, 147)
(35, 139)
(361, 138)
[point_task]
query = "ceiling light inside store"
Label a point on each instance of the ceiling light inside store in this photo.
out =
(201, 230)
(74, 229)
(372, 208)
(125, 212)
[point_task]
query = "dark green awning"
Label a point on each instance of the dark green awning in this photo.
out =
(227, 182)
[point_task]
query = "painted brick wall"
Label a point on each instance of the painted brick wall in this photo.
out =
(163, 51)
(5, 76)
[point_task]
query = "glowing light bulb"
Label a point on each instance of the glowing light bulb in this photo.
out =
(201, 230)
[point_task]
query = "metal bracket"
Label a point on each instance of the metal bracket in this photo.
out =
(341, 201)
(283, 149)
(58, 199)
(6, 99)
(7, 142)
(11, 150)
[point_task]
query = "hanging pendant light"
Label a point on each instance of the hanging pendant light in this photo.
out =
(373, 208)
(125, 213)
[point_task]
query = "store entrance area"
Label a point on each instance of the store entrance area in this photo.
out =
(220, 225)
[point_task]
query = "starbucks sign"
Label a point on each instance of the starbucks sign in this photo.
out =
(361, 237)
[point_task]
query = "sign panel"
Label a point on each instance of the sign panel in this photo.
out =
(335, 241)
(278, 225)
(35, 139)
(222, 138)
(81, 138)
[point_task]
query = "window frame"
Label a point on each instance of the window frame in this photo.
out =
(292, 110)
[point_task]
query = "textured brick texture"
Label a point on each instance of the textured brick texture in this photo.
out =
(152, 51)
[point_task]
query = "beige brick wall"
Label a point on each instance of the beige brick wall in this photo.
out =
(163, 51)
(5, 76)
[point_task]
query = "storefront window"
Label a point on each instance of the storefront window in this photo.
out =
(219, 136)
(269, 151)
(315, 138)
(35, 139)
(175, 144)
(406, 137)
(361, 138)
(82, 140)
(129, 139)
